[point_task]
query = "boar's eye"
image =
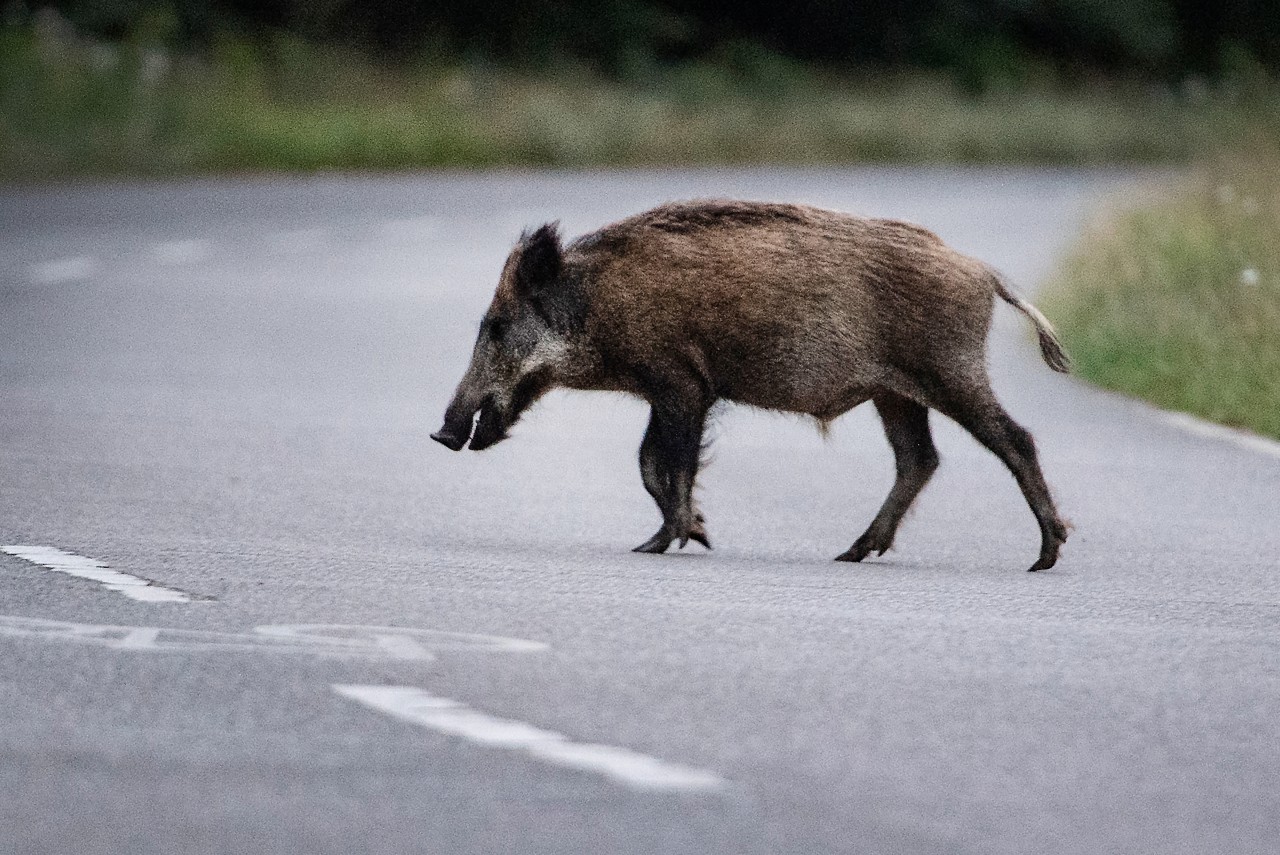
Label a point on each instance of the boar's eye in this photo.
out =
(496, 328)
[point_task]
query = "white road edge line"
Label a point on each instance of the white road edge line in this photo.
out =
(622, 765)
(1200, 427)
(59, 561)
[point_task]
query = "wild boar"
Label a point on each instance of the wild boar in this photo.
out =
(783, 307)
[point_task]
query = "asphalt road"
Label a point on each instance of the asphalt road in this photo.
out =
(227, 388)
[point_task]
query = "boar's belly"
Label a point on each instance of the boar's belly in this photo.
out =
(822, 371)
(819, 389)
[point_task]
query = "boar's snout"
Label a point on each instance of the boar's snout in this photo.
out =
(461, 425)
(449, 439)
(458, 421)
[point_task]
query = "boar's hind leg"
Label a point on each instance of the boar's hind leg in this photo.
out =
(668, 466)
(979, 413)
(906, 424)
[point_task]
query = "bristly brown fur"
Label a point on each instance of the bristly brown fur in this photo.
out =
(691, 217)
(779, 306)
(683, 218)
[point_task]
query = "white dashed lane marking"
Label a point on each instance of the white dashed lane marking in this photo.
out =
(59, 561)
(443, 715)
(62, 270)
(341, 640)
(298, 241)
(412, 228)
(180, 251)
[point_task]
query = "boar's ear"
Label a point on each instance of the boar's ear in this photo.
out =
(540, 261)
(541, 278)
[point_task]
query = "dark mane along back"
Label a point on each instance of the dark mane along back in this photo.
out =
(684, 217)
(690, 217)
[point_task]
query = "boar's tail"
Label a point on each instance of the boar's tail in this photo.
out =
(1050, 347)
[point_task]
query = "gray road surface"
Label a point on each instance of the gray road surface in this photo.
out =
(227, 388)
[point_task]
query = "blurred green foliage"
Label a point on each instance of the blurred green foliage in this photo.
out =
(72, 103)
(974, 40)
(1177, 299)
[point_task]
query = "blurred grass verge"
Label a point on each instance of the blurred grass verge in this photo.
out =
(72, 106)
(1177, 300)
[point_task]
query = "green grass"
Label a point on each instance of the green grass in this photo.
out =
(1177, 300)
(72, 107)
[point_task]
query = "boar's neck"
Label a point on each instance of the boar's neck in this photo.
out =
(596, 366)
(582, 367)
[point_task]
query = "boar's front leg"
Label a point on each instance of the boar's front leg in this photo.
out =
(669, 456)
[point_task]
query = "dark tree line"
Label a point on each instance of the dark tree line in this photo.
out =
(1153, 38)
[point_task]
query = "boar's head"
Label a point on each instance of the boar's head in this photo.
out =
(524, 342)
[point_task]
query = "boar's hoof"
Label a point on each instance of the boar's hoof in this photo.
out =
(656, 544)
(663, 539)
(863, 547)
(1045, 561)
(1049, 548)
(698, 531)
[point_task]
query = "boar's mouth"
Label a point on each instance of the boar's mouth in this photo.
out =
(491, 427)
(494, 419)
